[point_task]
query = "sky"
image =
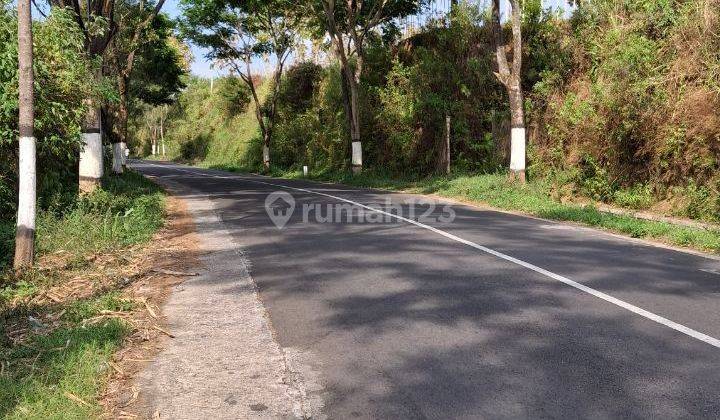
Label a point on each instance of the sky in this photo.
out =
(201, 66)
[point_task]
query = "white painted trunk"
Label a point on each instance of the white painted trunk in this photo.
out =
(117, 156)
(356, 153)
(517, 149)
(266, 156)
(163, 148)
(153, 148)
(124, 155)
(27, 183)
(91, 157)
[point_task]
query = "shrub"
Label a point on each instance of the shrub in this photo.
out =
(637, 197)
(232, 96)
(298, 88)
(195, 148)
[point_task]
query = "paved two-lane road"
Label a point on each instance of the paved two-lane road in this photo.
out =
(490, 315)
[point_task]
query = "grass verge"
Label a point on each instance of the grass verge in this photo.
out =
(535, 198)
(62, 320)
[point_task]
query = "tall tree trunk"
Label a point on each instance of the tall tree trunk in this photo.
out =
(25, 235)
(123, 157)
(355, 118)
(153, 137)
(120, 128)
(260, 118)
(91, 157)
(517, 132)
(345, 90)
(510, 78)
(266, 151)
(117, 152)
(162, 135)
(352, 75)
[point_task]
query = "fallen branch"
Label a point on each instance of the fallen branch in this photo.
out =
(149, 309)
(163, 331)
(77, 399)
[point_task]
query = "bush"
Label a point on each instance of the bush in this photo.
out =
(298, 87)
(639, 107)
(699, 202)
(232, 96)
(195, 148)
(638, 197)
(126, 210)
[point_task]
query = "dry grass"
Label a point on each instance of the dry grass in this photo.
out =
(174, 249)
(76, 328)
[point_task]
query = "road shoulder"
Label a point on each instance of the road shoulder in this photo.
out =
(223, 360)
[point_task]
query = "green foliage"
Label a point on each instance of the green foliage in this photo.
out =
(298, 87)
(232, 97)
(445, 71)
(311, 127)
(199, 129)
(62, 82)
(126, 210)
(406, 93)
(639, 196)
(196, 148)
(698, 202)
(69, 360)
(86, 309)
(638, 111)
(159, 68)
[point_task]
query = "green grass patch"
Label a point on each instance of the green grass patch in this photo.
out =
(64, 348)
(127, 210)
(40, 373)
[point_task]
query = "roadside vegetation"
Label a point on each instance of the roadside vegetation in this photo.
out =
(621, 109)
(63, 319)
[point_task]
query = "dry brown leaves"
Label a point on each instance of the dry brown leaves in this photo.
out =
(171, 256)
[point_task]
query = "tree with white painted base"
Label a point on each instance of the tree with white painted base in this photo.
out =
(349, 26)
(510, 78)
(89, 15)
(134, 25)
(237, 32)
(25, 236)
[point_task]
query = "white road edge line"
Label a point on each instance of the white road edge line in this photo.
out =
(589, 290)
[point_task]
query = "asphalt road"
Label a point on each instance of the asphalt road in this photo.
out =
(489, 315)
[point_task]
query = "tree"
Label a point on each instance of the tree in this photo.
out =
(348, 27)
(98, 13)
(25, 236)
(137, 24)
(511, 78)
(236, 32)
(147, 68)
